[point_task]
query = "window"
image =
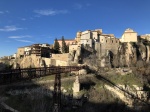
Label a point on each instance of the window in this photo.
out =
(106, 41)
(112, 41)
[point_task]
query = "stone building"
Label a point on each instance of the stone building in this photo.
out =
(68, 42)
(40, 50)
(73, 47)
(78, 36)
(129, 36)
(20, 52)
(27, 50)
(108, 42)
(145, 37)
(88, 37)
(106, 46)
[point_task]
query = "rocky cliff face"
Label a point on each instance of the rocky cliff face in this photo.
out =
(28, 61)
(128, 55)
(75, 56)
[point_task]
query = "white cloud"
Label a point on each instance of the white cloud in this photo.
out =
(27, 41)
(88, 4)
(10, 28)
(23, 19)
(1, 12)
(80, 6)
(50, 12)
(23, 36)
(7, 11)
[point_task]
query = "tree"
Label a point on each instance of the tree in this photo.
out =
(56, 46)
(67, 50)
(64, 46)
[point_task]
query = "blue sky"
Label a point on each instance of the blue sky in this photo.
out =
(24, 22)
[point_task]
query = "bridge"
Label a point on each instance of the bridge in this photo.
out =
(17, 75)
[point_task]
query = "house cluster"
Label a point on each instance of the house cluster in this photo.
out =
(102, 42)
(96, 37)
(39, 50)
(93, 38)
(9, 57)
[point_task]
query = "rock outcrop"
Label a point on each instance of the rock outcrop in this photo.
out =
(129, 94)
(30, 61)
(74, 55)
(82, 72)
(77, 55)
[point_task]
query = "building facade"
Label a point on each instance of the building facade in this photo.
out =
(108, 42)
(129, 36)
(68, 42)
(20, 52)
(88, 37)
(40, 50)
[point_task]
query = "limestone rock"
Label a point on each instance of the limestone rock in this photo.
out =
(76, 87)
(71, 56)
(51, 88)
(82, 72)
(64, 90)
(78, 53)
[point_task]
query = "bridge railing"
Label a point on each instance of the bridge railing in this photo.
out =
(14, 75)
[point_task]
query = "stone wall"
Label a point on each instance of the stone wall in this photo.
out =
(107, 44)
(63, 57)
(111, 44)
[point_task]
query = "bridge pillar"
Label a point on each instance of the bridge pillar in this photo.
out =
(76, 87)
(57, 92)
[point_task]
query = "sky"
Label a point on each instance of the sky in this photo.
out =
(25, 22)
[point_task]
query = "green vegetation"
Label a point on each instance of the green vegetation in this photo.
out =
(128, 79)
(49, 77)
(56, 46)
(64, 46)
(52, 77)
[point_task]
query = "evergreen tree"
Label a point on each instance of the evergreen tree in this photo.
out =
(56, 46)
(64, 46)
(67, 50)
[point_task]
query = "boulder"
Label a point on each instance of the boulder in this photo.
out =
(82, 72)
